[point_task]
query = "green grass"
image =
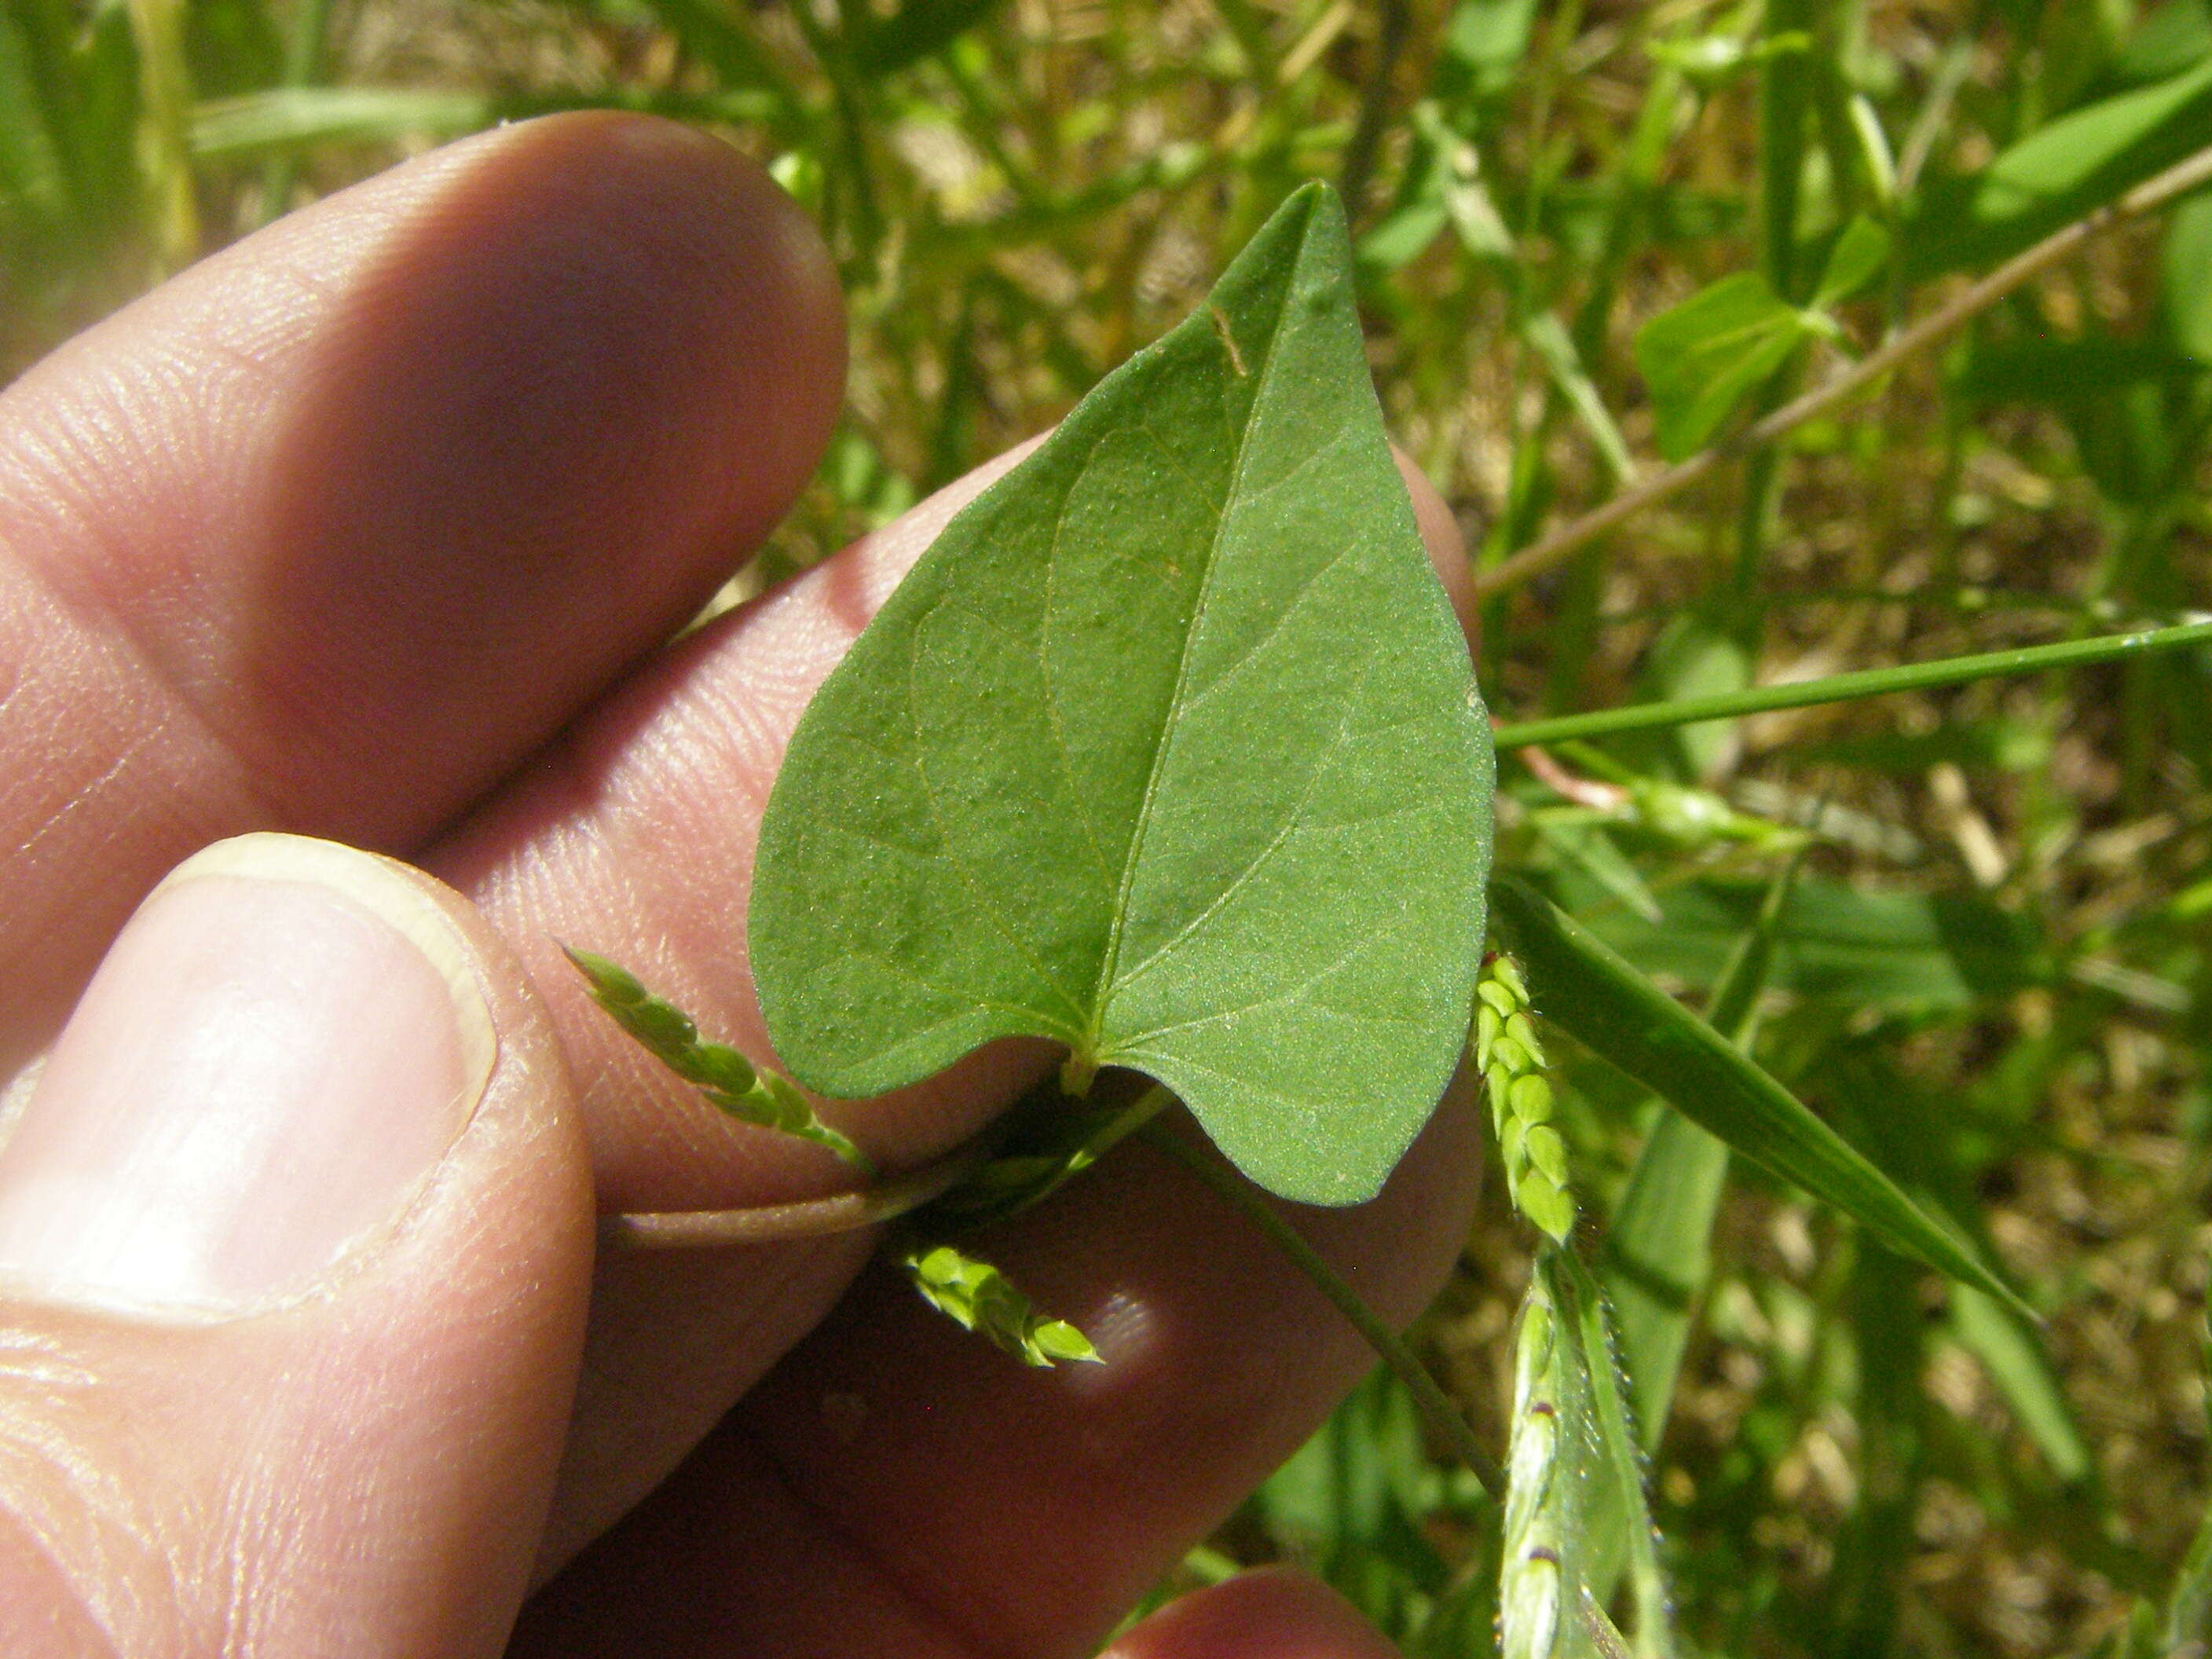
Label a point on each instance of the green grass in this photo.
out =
(1991, 973)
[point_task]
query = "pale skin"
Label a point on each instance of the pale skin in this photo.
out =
(376, 528)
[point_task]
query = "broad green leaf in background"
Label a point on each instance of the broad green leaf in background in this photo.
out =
(1584, 989)
(1697, 655)
(2188, 277)
(1702, 358)
(2060, 171)
(1856, 259)
(2175, 35)
(1170, 750)
(1910, 952)
(1489, 39)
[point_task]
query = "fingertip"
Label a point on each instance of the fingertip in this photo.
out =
(1269, 1613)
(716, 214)
(1440, 528)
(384, 493)
(585, 374)
(598, 268)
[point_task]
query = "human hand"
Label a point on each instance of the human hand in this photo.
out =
(374, 528)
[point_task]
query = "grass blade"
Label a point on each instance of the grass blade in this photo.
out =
(297, 118)
(1659, 1258)
(1622, 1533)
(1658, 1252)
(2014, 1356)
(1612, 1010)
(31, 172)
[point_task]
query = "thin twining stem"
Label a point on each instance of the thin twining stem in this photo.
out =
(1435, 1406)
(841, 1213)
(886, 1201)
(1939, 325)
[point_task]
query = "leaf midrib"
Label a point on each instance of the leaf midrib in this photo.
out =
(1119, 921)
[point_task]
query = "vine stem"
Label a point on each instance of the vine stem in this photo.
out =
(766, 1223)
(1442, 1415)
(1842, 688)
(1939, 325)
(843, 1212)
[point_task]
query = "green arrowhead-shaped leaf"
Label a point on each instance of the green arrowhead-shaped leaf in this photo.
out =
(1856, 259)
(1168, 749)
(1704, 356)
(2059, 171)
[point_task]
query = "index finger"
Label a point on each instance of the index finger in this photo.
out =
(332, 531)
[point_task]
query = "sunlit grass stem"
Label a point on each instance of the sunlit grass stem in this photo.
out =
(1844, 688)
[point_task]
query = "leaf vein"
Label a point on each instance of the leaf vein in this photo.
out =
(1275, 843)
(1288, 993)
(1059, 745)
(1109, 962)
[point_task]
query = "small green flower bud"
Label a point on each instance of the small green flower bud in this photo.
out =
(1548, 1207)
(1546, 1151)
(1522, 1030)
(1505, 972)
(1531, 1098)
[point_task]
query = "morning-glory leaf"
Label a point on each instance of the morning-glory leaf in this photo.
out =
(1168, 749)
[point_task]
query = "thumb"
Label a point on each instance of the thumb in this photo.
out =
(294, 1248)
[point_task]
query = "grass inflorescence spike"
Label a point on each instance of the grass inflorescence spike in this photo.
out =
(1538, 1529)
(730, 1082)
(980, 1299)
(1510, 1058)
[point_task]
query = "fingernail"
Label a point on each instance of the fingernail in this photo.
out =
(279, 1049)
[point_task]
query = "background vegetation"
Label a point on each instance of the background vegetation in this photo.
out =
(1992, 971)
